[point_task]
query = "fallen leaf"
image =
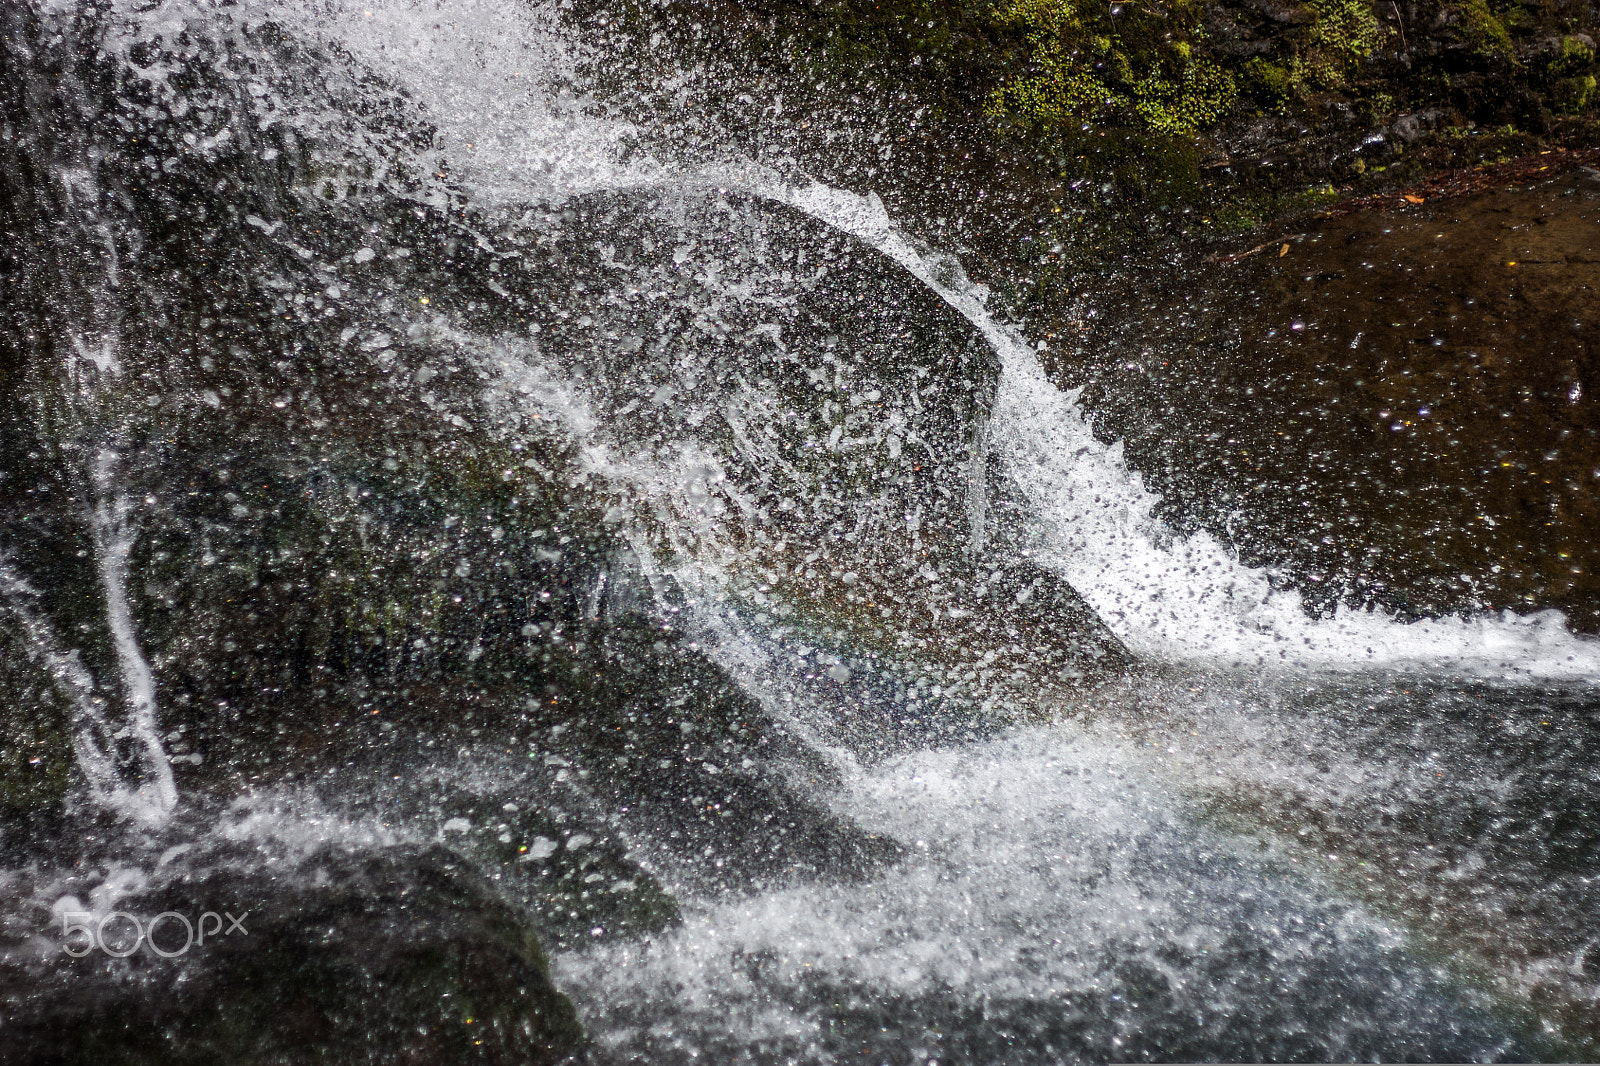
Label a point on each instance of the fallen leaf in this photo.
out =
(1408, 198)
(1283, 251)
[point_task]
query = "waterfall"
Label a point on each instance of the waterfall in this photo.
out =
(1169, 597)
(699, 566)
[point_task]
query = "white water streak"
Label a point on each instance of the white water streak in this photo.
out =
(151, 792)
(113, 540)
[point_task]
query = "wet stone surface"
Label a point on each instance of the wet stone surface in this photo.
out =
(403, 954)
(1397, 406)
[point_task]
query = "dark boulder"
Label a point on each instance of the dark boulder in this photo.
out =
(403, 955)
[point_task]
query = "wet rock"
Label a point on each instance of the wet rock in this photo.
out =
(36, 763)
(1397, 405)
(836, 410)
(517, 818)
(694, 771)
(401, 955)
(363, 533)
(1411, 128)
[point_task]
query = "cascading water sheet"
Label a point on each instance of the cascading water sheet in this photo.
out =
(1175, 598)
(516, 136)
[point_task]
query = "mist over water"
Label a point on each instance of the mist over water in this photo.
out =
(1180, 818)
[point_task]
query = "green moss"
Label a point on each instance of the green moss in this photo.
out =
(1246, 212)
(1316, 196)
(1109, 65)
(1202, 95)
(1571, 77)
(1574, 59)
(1378, 105)
(1269, 81)
(1344, 35)
(1481, 29)
(1235, 218)
(1572, 96)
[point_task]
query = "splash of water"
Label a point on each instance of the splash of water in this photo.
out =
(1051, 880)
(1181, 599)
(145, 792)
(1024, 838)
(94, 369)
(518, 131)
(1191, 599)
(498, 81)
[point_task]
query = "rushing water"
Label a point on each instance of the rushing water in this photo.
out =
(968, 758)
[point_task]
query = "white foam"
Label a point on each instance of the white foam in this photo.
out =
(113, 537)
(1034, 863)
(497, 80)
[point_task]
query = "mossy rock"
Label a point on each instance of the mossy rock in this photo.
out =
(1480, 28)
(1572, 96)
(1045, 137)
(1093, 63)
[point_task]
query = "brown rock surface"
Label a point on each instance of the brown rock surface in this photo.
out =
(1396, 405)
